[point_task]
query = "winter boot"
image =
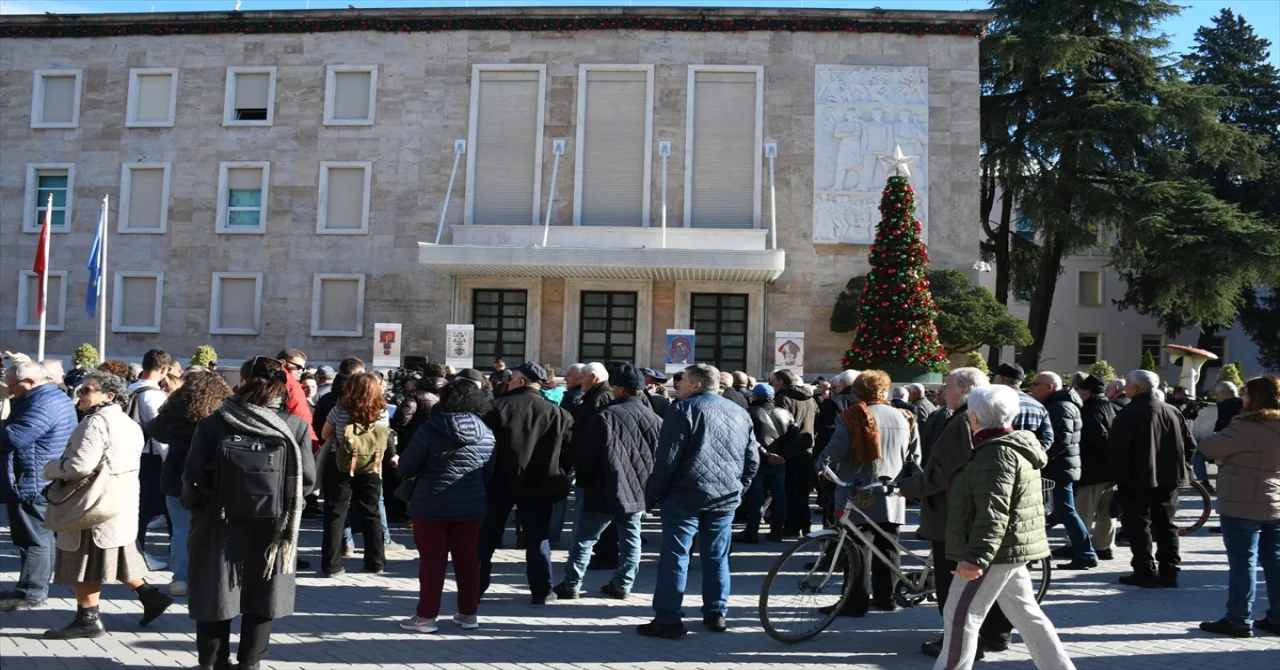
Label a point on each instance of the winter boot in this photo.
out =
(86, 625)
(154, 603)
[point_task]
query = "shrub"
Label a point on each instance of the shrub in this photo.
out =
(1103, 370)
(1230, 373)
(86, 356)
(204, 355)
(977, 360)
(1148, 361)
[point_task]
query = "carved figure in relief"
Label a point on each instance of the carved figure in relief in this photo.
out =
(848, 153)
(913, 141)
(877, 139)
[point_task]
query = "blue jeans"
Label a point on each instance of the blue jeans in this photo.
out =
(1064, 508)
(1200, 467)
(181, 519)
(1248, 544)
(589, 528)
(349, 538)
(35, 548)
(774, 479)
(715, 532)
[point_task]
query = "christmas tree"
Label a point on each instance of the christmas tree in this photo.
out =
(896, 329)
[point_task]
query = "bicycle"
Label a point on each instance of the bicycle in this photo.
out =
(825, 563)
(1198, 505)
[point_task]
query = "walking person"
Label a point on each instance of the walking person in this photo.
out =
(1247, 452)
(995, 526)
(40, 420)
(201, 394)
(1095, 490)
(87, 559)
(706, 457)
(775, 432)
(451, 459)
(1063, 406)
(243, 482)
(358, 427)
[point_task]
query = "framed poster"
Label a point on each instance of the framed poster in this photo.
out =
(386, 345)
(788, 351)
(460, 340)
(680, 350)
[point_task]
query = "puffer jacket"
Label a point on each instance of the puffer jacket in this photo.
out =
(36, 432)
(452, 455)
(995, 508)
(617, 457)
(706, 455)
(1249, 480)
(1064, 415)
(800, 402)
(1097, 414)
(416, 407)
(771, 424)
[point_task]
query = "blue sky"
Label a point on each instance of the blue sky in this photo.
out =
(1263, 14)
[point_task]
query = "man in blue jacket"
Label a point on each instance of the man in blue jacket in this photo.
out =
(706, 457)
(39, 425)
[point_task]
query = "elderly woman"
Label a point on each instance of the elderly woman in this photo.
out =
(995, 526)
(873, 439)
(1247, 452)
(105, 553)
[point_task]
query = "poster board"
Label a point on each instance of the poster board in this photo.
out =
(679, 350)
(386, 345)
(788, 351)
(460, 341)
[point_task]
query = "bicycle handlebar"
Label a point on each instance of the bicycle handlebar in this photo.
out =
(885, 483)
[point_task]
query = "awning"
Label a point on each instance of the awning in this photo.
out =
(464, 260)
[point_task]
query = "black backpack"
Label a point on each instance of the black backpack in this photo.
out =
(250, 472)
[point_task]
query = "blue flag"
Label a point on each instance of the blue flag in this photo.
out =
(94, 265)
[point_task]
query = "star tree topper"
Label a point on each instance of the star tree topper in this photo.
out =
(898, 162)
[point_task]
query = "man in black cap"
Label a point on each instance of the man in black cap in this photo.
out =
(655, 390)
(1095, 489)
(528, 432)
(613, 467)
(1032, 415)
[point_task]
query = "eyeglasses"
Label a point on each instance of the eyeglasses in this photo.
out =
(292, 366)
(85, 390)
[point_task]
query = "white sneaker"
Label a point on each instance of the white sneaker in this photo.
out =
(155, 563)
(177, 588)
(393, 547)
(466, 625)
(419, 625)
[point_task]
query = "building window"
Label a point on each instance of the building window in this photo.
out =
(720, 321)
(350, 95)
(1218, 346)
(607, 327)
(615, 127)
(1089, 293)
(337, 305)
(344, 197)
(144, 198)
(242, 197)
(55, 99)
(1023, 227)
(1088, 348)
(236, 308)
(153, 97)
(55, 304)
(250, 96)
(135, 306)
(724, 137)
(504, 155)
(1152, 343)
(44, 180)
(500, 321)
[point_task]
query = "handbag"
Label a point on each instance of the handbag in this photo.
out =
(88, 502)
(404, 490)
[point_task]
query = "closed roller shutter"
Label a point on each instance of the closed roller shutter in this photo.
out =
(238, 298)
(344, 208)
(153, 97)
(59, 99)
(613, 148)
(506, 143)
(252, 89)
(139, 296)
(339, 300)
(724, 154)
(146, 191)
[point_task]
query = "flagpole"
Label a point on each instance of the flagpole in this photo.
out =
(102, 283)
(44, 277)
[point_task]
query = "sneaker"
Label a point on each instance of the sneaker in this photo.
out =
(177, 588)
(715, 623)
(155, 563)
(466, 622)
(1084, 563)
(1142, 580)
(887, 606)
(157, 523)
(1226, 627)
(1105, 555)
(614, 591)
(393, 547)
(348, 550)
(1270, 625)
(418, 624)
(331, 575)
(18, 604)
(666, 631)
(564, 592)
(549, 597)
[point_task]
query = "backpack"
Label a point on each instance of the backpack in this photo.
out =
(250, 472)
(358, 449)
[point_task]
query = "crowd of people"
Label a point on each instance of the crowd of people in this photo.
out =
(230, 473)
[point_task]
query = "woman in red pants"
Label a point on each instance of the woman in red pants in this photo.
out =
(451, 458)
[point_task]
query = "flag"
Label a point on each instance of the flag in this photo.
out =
(41, 268)
(95, 266)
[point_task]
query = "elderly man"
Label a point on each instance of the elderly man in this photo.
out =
(791, 394)
(828, 413)
(706, 457)
(1229, 405)
(1095, 489)
(775, 433)
(1031, 414)
(1063, 406)
(528, 432)
(728, 392)
(933, 426)
(995, 527)
(596, 395)
(655, 391)
(573, 386)
(40, 422)
(920, 404)
(1150, 445)
(613, 467)
(1115, 393)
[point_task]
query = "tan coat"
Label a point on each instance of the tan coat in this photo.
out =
(1249, 479)
(111, 432)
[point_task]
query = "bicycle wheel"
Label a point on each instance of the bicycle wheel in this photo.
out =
(1194, 508)
(800, 587)
(1041, 574)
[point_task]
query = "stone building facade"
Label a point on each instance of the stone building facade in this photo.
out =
(277, 178)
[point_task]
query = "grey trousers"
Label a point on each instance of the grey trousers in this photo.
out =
(1094, 499)
(967, 606)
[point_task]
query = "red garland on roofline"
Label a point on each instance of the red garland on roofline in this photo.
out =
(255, 26)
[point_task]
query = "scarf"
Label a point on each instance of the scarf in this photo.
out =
(258, 420)
(864, 433)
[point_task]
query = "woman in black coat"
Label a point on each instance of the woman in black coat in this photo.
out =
(248, 468)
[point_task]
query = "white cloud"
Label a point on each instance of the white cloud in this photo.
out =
(42, 6)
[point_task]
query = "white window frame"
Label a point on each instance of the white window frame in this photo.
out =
(1102, 298)
(131, 107)
(316, 282)
(223, 191)
(229, 97)
(1098, 356)
(32, 223)
(330, 90)
(24, 301)
(117, 302)
(215, 304)
(581, 136)
(473, 123)
(126, 191)
(688, 137)
(37, 99)
(323, 202)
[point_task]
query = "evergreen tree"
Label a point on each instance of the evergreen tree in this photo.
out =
(1260, 316)
(1148, 361)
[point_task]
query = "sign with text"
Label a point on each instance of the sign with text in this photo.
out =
(679, 350)
(788, 351)
(386, 345)
(460, 341)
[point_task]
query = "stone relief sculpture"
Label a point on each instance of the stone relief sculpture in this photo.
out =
(861, 112)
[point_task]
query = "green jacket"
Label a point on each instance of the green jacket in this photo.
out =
(995, 512)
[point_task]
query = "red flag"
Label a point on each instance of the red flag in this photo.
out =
(41, 267)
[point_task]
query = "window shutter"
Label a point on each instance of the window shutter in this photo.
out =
(351, 95)
(59, 99)
(613, 148)
(153, 97)
(506, 147)
(344, 204)
(242, 179)
(146, 187)
(237, 307)
(338, 299)
(1090, 288)
(724, 154)
(251, 90)
(139, 295)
